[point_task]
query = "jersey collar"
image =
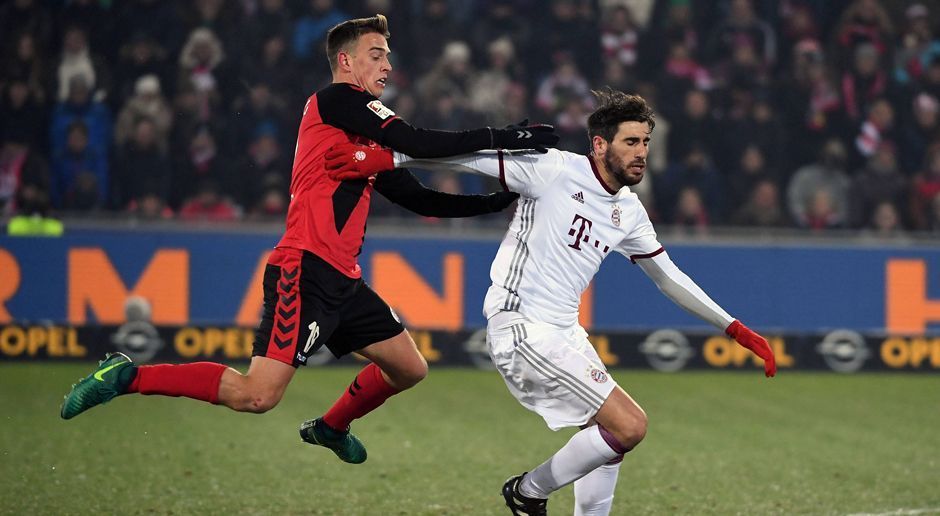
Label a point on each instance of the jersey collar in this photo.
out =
(600, 180)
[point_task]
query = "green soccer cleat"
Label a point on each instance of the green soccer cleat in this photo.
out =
(113, 376)
(345, 445)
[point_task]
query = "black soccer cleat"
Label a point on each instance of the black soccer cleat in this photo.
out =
(345, 445)
(523, 505)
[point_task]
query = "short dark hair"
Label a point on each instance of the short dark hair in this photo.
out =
(614, 108)
(341, 35)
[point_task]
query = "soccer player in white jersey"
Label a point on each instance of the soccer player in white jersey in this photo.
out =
(574, 210)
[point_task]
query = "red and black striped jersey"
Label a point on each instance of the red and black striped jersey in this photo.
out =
(328, 217)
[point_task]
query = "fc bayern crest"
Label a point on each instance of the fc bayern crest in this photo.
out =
(598, 375)
(615, 216)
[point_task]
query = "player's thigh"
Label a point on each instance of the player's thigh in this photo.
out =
(553, 372)
(397, 355)
(367, 325)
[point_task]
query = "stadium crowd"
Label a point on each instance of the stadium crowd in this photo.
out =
(787, 113)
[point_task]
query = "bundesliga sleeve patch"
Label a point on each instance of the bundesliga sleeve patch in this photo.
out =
(379, 109)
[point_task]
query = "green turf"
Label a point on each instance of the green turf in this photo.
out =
(718, 443)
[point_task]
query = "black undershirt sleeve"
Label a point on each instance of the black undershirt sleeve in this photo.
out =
(358, 112)
(430, 143)
(402, 188)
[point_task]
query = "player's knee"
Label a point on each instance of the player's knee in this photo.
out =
(412, 374)
(259, 401)
(629, 431)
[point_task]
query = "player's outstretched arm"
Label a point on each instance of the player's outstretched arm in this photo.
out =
(678, 287)
(402, 188)
(432, 143)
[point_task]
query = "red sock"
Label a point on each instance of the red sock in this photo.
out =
(199, 380)
(365, 394)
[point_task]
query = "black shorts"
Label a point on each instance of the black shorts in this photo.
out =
(309, 304)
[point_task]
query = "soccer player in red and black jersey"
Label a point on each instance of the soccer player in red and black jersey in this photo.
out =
(314, 294)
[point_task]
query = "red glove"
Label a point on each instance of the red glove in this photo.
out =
(754, 342)
(351, 161)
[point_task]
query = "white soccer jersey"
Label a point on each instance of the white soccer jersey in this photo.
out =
(567, 221)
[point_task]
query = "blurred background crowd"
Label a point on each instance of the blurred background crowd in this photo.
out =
(789, 113)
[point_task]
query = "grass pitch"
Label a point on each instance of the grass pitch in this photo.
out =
(718, 443)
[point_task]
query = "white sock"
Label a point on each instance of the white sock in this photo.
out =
(594, 492)
(584, 452)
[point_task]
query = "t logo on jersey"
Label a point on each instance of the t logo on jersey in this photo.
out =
(584, 231)
(582, 227)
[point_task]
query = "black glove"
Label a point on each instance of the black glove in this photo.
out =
(499, 200)
(524, 136)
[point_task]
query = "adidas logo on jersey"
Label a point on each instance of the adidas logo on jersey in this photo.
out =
(578, 197)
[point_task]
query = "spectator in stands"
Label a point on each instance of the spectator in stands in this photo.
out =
(920, 131)
(620, 36)
(817, 196)
(810, 104)
(141, 56)
(26, 63)
(203, 163)
(917, 45)
(25, 16)
(433, 27)
(879, 181)
(681, 74)
(690, 214)
(797, 24)
(863, 21)
(79, 173)
(696, 169)
(209, 204)
(21, 168)
(22, 115)
(569, 29)
(80, 106)
(309, 34)
(566, 83)
(274, 67)
(490, 88)
(501, 19)
(751, 169)
(694, 127)
(933, 215)
(762, 207)
(262, 166)
(202, 72)
(224, 18)
(864, 82)
(142, 167)
(77, 60)
(570, 125)
(149, 103)
(149, 206)
(94, 19)
(741, 27)
(925, 188)
(273, 201)
(878, 127)
(271, 20)
(885, 222)
(158, 20)
(452, 76)
(262, 108)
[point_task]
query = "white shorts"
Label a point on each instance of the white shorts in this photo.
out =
(553, 372)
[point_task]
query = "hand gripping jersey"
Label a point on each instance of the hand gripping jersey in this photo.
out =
(567, 221)
(326, 217)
